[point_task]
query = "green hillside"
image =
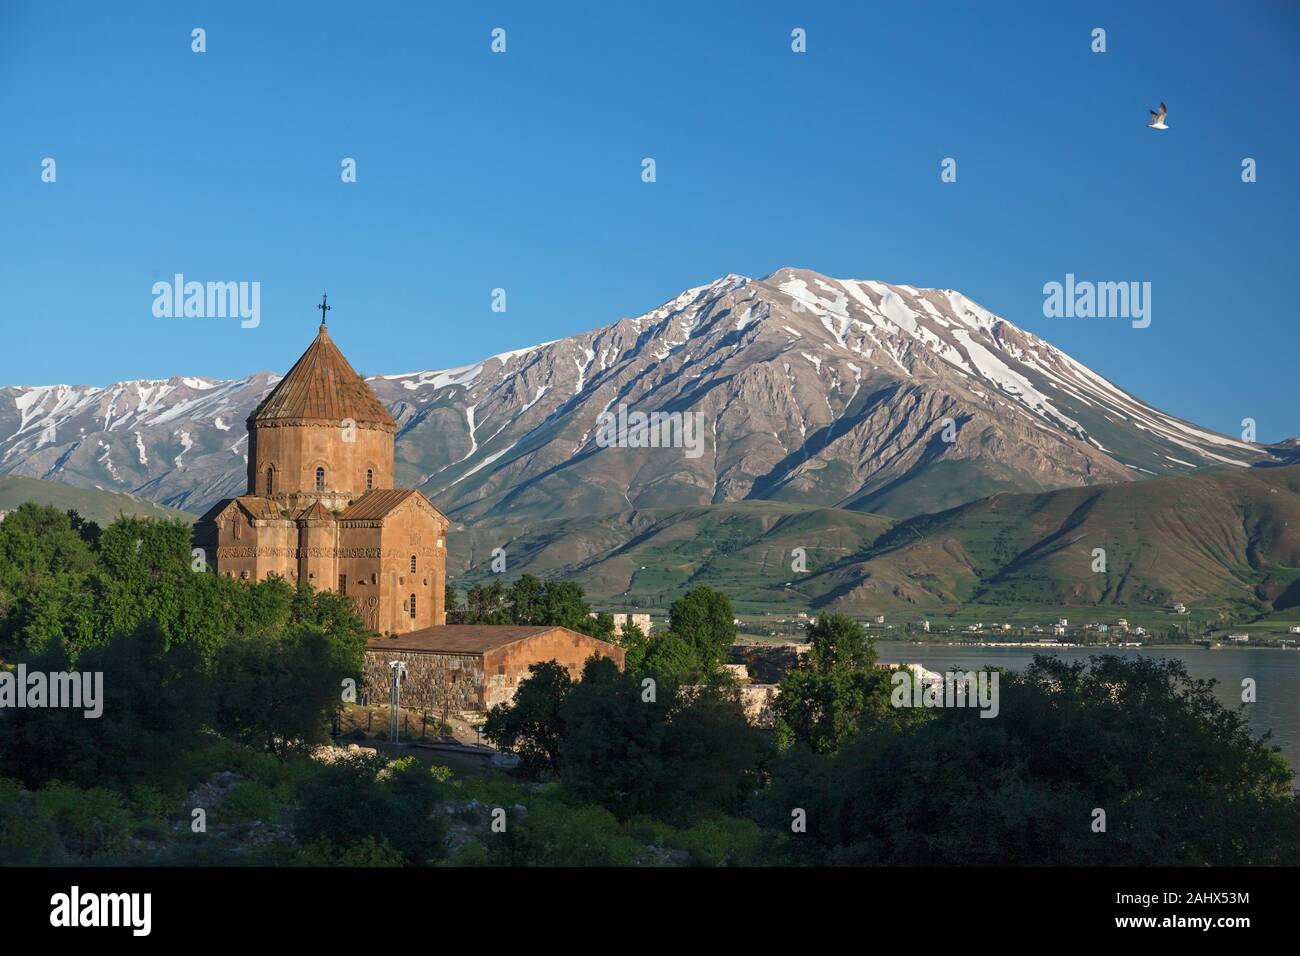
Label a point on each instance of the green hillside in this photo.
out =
(1228, 539)
(98, 506)
(650, 557)
(1225, 541)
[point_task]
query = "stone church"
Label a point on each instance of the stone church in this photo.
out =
(321, 505)
(321, 508)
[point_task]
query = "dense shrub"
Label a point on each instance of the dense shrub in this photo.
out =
(358, 801)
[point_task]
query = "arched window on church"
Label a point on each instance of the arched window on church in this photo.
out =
(413, 563)
(320, 479)
(370, 480)
(270, 481)
(412, 607)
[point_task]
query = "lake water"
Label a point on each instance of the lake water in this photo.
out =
(1276, 674)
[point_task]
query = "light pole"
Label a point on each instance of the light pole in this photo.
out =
(395, 698)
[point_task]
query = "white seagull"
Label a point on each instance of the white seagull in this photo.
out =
(1158, 119)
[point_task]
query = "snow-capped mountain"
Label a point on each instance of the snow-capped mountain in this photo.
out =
(858, 394)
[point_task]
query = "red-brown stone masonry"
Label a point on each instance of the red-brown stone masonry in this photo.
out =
(505, 667)
(294, 452)
(412, 531)
(371, 559)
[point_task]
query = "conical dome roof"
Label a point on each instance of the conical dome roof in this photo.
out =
(322, 386)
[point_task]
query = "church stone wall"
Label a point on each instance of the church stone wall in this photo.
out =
(294, 452)
(433, 681)
(413, 531)
(360, 545)
(253, 550)
(276, 542)
(318, 553)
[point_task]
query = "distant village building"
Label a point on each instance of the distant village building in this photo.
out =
(621, 621)
(1294, 629)
(1180, 607)
(321, 508)
(1239, 638)
(919, 672)
(757, 700)
(3, 515)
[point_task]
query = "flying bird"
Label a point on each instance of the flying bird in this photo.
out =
(1158, 119)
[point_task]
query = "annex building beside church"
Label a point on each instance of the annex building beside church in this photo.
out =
(321, 508)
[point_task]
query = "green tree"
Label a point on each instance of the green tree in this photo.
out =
(532, 724)
(527, 600)
(46, 568)
(351, 810)
(534, 603)
(278, 690)
(452, 605)
(703, 618)
(155, 700)
(148, 573)
(1181, 779)
(563, 605)
(836, 690)
(823, 708)
(836, 639)
(678, 755)
(487, 605)
(89, 531)
(558, 834)
(668, 658)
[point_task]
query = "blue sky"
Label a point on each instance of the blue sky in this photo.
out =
(522, 171)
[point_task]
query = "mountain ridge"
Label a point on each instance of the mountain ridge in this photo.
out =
(815, 390)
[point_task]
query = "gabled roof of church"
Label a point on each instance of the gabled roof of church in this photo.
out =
(317, 511)
(259, 507)
(323, 386)
(374, 505)
(255, 505)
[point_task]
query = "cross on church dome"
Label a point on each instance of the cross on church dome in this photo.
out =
(324, 307)
(323, 387)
